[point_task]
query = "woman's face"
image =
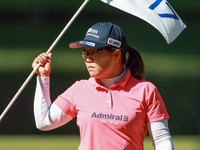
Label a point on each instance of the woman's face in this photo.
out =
(100, 64)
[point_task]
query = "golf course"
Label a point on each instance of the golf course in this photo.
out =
(30, 28)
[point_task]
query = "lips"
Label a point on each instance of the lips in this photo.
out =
(90, 68)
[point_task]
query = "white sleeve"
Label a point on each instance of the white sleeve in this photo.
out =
(48, 116)
(160, 135)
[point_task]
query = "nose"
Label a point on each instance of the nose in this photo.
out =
(88, 59)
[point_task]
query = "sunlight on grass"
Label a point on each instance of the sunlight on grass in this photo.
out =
(20, 60)
(180, 143)
(172, 64)
(71, 60)
(67, 142)
(36, 142)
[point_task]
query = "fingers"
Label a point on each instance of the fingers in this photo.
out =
(45, 64)
(42, 59)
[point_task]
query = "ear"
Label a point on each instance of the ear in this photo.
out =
(117, 54)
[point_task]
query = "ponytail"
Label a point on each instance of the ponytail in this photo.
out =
(134, 63)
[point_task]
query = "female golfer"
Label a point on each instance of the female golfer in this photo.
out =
(115, 107)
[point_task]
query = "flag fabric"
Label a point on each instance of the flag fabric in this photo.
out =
(158, 13)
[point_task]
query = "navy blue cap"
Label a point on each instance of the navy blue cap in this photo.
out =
(103, 34)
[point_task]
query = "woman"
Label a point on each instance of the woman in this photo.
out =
(115, 107)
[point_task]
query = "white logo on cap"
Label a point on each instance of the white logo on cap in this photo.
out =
(114, 42)
(92, 31)
(87, 43)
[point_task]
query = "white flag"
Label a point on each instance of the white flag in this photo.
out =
(158, 13)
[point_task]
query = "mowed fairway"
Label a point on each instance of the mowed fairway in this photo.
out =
(71, 142)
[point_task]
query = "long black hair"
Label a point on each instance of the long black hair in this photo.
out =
(134, 63)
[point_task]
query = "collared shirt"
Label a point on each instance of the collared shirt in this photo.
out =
(114, 118)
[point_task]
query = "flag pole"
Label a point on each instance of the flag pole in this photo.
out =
(48, 51)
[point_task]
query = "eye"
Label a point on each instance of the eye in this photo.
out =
(83, 51)
(94, 51)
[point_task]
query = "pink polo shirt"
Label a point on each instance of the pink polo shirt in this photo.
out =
(115, 118)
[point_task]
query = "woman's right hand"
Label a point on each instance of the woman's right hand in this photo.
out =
(45, 64)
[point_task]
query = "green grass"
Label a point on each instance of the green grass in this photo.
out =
(35, 142)
(180, 143)
(20, 60)
(66, 142)
(186, 65)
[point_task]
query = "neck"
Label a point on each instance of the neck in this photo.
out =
(109, 82)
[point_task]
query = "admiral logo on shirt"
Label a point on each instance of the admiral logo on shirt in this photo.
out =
(110, 118)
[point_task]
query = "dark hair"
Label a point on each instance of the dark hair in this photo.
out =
(134, 63)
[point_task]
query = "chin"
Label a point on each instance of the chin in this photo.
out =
(94, 75)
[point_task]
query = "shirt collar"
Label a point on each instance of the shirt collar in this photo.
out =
(96, 82)
(109, 82)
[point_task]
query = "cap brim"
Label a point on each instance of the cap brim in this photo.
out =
(88, 44)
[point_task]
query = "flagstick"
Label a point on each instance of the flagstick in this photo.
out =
(48, 51)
